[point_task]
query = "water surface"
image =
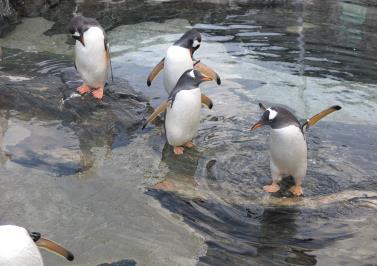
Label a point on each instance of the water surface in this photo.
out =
(306, 55)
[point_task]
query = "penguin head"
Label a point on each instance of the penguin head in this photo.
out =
(79, 25)
(276, 117)
(190, 40)
(192, 78)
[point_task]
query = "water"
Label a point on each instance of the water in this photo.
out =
(306, 55)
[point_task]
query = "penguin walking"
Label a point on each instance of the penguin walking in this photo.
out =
(178, 59)
(288, 148)
(20, 247)
(92, 57)
(182, 115)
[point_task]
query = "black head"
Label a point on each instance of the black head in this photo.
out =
(192, 78)
(277, 117)
(190, 40)
(78, 25)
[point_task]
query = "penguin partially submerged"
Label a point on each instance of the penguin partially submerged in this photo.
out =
(288, 148)
(182, 115)
(20, 247)
(92, 56)
(178, 59)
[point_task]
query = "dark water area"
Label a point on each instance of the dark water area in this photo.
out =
(305, 55)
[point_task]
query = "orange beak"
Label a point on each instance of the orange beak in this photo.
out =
(205, 78)
(256, 125)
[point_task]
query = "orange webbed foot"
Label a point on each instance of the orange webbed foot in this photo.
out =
(83, 89)
(296, 190)
(189, 144)
(98, 93)
(271, 188)
(178, 150)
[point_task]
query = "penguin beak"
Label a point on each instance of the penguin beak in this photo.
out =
(206, 78)
(257, 125)
(54, 248)
(79, 38)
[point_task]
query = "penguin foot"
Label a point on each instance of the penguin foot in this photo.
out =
(178, 150)
(271, 188)
(296, 190)
(83, 89)
(98, 93)
(189, 144)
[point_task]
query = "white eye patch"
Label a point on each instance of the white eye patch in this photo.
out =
(196, 44)
(76, 34)
(273, 114)
(192, 73)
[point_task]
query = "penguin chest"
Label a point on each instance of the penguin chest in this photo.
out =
(177, 61)
(92, 59)
(288, 151)
(182, 119)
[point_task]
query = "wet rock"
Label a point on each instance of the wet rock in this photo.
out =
(107, 123)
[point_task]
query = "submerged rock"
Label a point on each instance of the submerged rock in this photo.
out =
(96, 124)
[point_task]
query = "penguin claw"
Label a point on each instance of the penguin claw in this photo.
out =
(296, 190)
(178, 150)
(271, 188)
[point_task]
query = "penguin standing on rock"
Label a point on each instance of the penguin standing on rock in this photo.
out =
(178, 59)
(20, 247)
(288, 148)
(182, 115)
(92, 58)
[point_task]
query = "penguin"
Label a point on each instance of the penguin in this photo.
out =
(178, 59)
(20, 247)
(92, 54)
(288, 149)
(182, 114)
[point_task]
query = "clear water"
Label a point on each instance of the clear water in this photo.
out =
(306, 55)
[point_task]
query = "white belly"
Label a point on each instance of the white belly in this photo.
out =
(17, 248)
(177, 61)
(91, 60)
(182, 120)
(288, 151)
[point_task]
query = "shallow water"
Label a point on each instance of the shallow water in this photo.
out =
(306, 55)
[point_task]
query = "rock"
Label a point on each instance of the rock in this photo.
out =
(97, 124)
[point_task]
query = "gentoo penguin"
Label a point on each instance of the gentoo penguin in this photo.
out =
(92, 58)
(288, 149)
(182, 115)
(20, 247)
(178, 59)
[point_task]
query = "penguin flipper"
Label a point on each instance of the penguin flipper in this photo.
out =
(314, 119)
(207, 71)
(107, 49)
(157, 69)
(158, 111)
(261, 106)
(54, 248)
(207, 101)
